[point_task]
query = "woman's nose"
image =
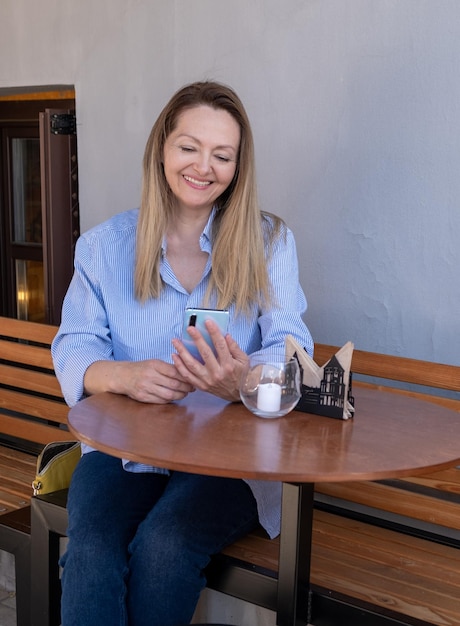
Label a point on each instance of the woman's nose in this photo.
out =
(202, 162)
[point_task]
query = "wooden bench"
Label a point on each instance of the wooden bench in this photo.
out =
(383, 552)
(32, 413)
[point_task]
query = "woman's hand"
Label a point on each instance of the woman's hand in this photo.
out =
(146, 381)
(220, 374)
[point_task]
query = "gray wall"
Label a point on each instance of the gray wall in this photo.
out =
(355, 110)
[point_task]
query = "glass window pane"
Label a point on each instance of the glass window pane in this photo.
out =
(30, 299)
(27, 215)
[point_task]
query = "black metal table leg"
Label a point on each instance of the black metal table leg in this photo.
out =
(295, 555)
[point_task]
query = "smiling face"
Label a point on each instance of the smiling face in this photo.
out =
(200, 157)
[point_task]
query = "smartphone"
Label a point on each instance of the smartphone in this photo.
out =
(197, 318)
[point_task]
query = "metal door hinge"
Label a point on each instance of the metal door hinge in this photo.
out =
(63, 124)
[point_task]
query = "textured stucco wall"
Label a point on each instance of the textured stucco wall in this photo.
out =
(355, 109)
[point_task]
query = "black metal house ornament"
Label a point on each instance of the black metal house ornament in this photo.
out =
(326, 390)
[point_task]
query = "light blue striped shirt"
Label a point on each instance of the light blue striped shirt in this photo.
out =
(102, 320)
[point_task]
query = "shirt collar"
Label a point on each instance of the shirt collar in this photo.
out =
(205, 237)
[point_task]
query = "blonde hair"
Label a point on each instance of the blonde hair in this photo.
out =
(240, 231)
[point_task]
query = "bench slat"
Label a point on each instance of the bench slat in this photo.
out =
(383, 545)
(32, 431)
(448, 403)
(10, 457)
(37, 407)
(13, 503)
(390, 590)
(29, 331)
(18, 491)
(39, 382)
(397, 368)
(28, 355)
(388, 498)
(13, 477)
(447, 481)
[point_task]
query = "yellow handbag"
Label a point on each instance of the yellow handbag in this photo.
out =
(55, 466)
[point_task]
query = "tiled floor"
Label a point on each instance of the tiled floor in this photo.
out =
(7, 586)
(7, 608)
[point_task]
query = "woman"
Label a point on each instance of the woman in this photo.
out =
(140, 537)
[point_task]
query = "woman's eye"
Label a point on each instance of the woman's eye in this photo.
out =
(222, 158)
(186, 149)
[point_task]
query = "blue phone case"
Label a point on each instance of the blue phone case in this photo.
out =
(197, 317)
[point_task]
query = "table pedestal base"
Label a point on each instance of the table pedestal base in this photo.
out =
(295, 555)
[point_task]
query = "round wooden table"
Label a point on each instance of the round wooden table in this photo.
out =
(391, 435)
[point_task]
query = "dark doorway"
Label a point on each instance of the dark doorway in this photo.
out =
(39, 215)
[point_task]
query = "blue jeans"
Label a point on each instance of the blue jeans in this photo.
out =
(138, 543)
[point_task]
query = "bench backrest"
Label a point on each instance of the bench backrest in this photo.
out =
(32, 409)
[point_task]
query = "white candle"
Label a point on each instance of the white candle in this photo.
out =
(269, 397)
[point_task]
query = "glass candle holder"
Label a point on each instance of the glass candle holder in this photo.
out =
(270, 386)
